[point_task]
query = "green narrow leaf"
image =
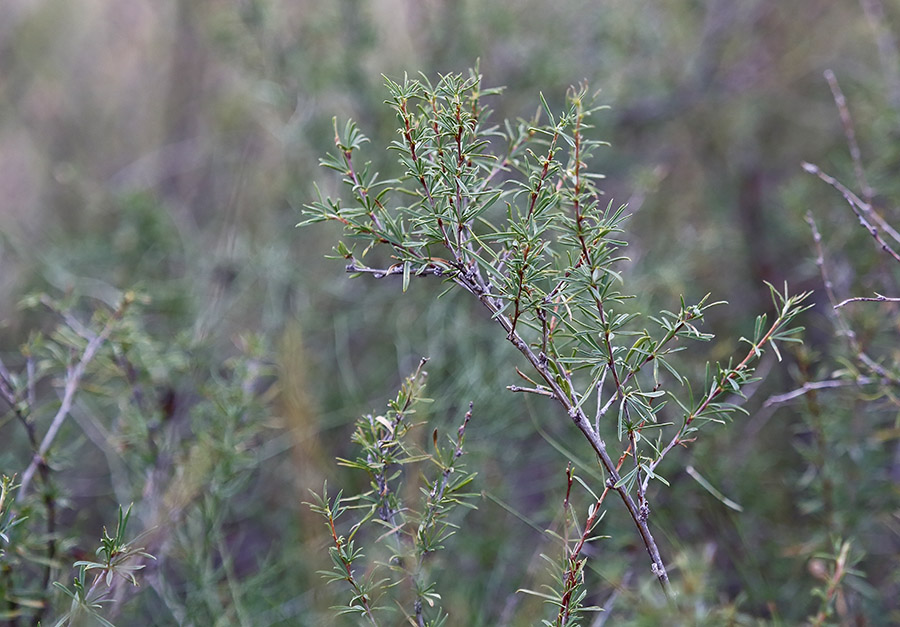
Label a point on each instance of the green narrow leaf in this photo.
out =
(709, 488)
(546, 107)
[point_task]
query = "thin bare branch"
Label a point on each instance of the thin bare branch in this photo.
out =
(843, 326)
(888, 54)
(538, 391)
(810, 386)
(850, 134)
(73, 380)
(878, 298)
(857, 206)
(379, 273)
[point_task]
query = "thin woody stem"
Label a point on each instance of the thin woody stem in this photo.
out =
(578, 417)
(843, 326)
(73, 380)
(863, 211)
(573, 555)
(581, 421)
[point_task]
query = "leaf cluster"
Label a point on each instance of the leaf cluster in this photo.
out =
(513, 215)
(117, 558)
(412, 535)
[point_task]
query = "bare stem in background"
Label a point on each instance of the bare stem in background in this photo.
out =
(887, 49)
(850, 134)
(862, 210)
(73, 379)
(843, 326)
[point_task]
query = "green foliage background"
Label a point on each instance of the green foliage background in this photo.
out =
(166, 148)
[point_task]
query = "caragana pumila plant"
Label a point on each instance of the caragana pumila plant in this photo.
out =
(412, 534)
(513, 216)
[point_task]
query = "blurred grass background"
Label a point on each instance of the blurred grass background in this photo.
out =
(168, 146)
